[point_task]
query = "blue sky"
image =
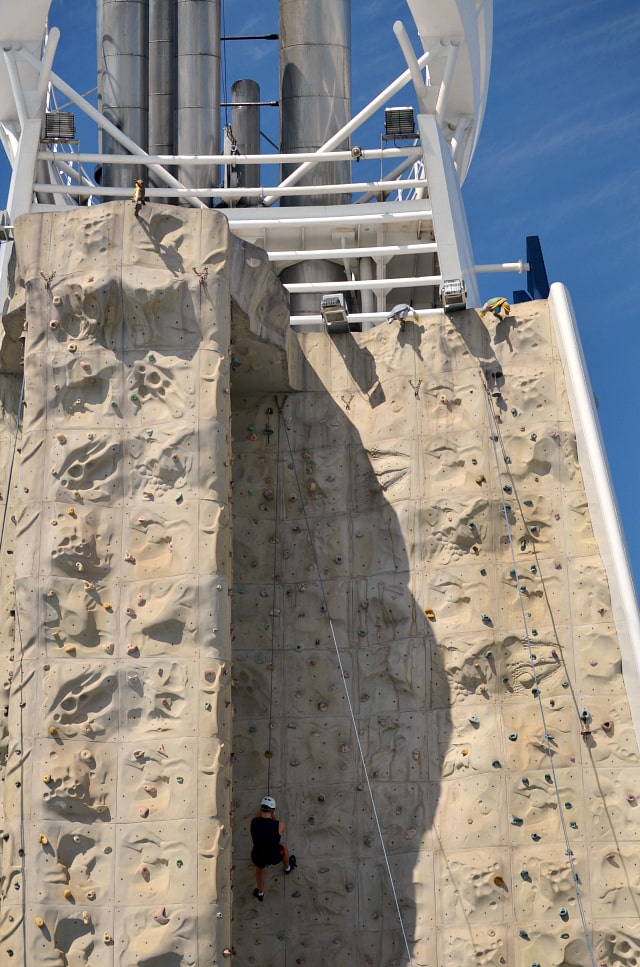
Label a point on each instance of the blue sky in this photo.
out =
(558, 157)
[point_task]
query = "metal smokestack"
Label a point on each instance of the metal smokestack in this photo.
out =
(159, 82)
(315, 85)
(123, 80)
(245, 126)
(315, 102)
(162, 79)
(197, 106)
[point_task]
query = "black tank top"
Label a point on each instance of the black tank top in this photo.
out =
(265, 832)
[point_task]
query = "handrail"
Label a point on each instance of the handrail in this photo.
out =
(368, 154)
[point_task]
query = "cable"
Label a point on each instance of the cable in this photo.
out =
(496, 437)
(346, 690)
(269, 753)
(225, 96)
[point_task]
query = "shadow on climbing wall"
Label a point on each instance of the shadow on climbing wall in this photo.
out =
(331, 506)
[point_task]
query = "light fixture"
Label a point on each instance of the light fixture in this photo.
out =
(453, 295)
(334, 312)
(59, 127)
(399, 122)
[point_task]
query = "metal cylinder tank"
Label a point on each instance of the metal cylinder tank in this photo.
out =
(245, 126)
(162, 78)
(198, 87)
(315, 84)
(123, 80)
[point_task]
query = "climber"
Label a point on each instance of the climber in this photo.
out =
(266, 830)
(139, 196)
(496, 306)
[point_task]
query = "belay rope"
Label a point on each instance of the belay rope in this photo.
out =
(268, 754)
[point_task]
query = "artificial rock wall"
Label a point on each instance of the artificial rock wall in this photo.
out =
(117, 777)
(376, 498)
(452, 547)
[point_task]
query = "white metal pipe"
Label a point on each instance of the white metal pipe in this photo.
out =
(355, 122)
(47, 63)
(361, 317)
(16, 85)
(445, 85)
(110, 128)
(373, 154)
(309, 221)
(68, 169)
(458, 137)
(294, 255)
(372, 284)
(310, 190)
(519, 267)
(412, 63)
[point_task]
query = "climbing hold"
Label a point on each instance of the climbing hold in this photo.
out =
(268, 754)
(533, 437)
(47, 779)
(128, 556)
(132, 649)
(179, 779)
(86, 755)
(91, 894)
(496, 764)
(498, 881)
(513, 736)
(474, 720)
(481, 479)
(134, 398)
(534, 529)
(508, 488)
(464, 751)
(564, 913)
(161, 750)
(536, 837)
(150, 790)
(524, 934)
(107, 938)
(53, 324)
(525, 782)
(430, 613)
(516, 821)
(71, 512)
(144, 811)
(523, 545)
(483, 572)
(524, 874)
(630, 798)
(533, 569)
(573, 824)
(485, 619)
(39, 922)
(607, 726)
(42, 839)
(72, 347)
(68, 895)
(584, 714)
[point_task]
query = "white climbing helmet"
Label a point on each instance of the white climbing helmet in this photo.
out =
(268, 803)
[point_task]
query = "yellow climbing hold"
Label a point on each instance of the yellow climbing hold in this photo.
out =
(268, 754)
(70, 649)
(498, 880)
(53, 730)
(71, 512)
(42, 839)
(68, 895)
(47, 779)
(430, 613)
(39, 922)
(464, 752)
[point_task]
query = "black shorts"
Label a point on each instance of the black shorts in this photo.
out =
(270, 857)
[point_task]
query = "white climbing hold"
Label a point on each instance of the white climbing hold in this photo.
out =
(160, 915)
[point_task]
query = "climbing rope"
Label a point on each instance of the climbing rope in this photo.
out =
(496, 438)
(276, 540)
(354, 724)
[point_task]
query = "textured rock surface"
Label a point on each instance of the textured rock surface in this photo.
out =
(376, 486)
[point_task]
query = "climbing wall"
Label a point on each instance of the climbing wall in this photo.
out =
(116, 845)
(419, 504)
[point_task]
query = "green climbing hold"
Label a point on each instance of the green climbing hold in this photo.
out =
(179, 779)
(152, 358)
